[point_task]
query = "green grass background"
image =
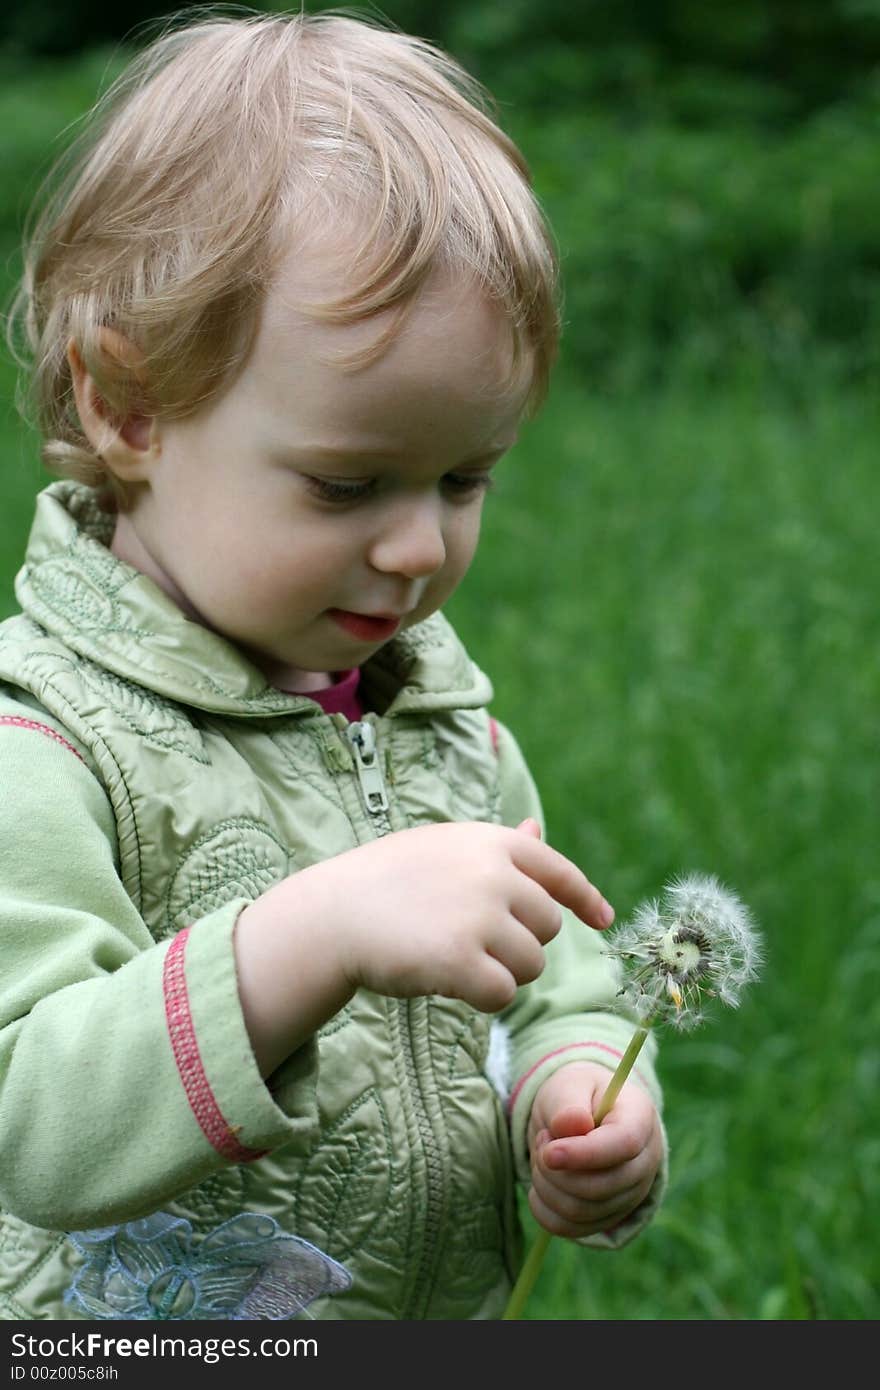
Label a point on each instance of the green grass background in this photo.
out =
(676, 599)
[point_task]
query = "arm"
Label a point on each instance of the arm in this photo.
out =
(126, 1075)
(457, 909)
(569, 1021)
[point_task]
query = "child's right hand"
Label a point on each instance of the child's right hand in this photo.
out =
(461, 910)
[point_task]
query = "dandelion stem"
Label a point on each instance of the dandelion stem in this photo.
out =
(527, 1276)
(624, 1067)
(531, 1269)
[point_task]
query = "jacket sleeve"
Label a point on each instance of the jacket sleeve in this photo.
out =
(570, 1013)
(126, 1073)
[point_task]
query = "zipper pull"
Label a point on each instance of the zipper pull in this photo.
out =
(362, 737)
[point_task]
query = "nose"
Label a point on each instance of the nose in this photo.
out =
(412, 541)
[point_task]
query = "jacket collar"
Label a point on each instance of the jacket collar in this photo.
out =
(104, 610)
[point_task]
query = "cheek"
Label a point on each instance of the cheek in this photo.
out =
(281, 577)
(461, 546)
(463, 541)
(298, 568)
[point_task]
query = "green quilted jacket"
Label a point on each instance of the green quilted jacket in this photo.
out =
(153, 785)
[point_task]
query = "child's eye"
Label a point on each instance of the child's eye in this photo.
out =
(467, 484)
(462, 486)
(334, 490)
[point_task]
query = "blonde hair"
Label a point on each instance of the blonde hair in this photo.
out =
(168, 217)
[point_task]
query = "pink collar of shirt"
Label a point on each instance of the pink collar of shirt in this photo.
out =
(342, 697)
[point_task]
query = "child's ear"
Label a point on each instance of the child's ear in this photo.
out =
(126, 445)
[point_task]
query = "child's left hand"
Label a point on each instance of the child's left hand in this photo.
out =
(587, 1180)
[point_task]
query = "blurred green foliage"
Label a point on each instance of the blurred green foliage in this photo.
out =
(806, 51)
(714, 249)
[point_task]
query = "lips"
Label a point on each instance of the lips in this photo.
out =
(364, 627)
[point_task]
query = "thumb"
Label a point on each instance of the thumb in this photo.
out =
(530, 827)
(570, 1121)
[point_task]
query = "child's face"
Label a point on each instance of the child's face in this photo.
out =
(310, 513)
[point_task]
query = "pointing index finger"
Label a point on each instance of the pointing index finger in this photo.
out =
(563, 880)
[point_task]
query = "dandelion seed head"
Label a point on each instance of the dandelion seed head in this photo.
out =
(698, 940)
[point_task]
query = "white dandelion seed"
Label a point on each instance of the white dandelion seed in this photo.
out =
(698, 940)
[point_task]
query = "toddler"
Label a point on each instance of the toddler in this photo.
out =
(293, 991)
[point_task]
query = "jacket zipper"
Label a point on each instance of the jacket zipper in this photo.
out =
(361, 739)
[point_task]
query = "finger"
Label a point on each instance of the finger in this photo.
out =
(530, 827)
(490, 987)
(586, 1198)
(599, 1187)
(536, 909)
(608, 1146)
(518, 949)
(563, 880)
(574, 1219)
(572, 1120)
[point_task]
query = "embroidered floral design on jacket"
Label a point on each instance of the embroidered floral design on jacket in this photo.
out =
(245, 1269)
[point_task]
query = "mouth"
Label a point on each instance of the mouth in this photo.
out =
(364, 627)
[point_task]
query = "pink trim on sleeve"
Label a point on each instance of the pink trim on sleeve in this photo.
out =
(16, 721)
(185, 1047)
(493, 734)
(603, 1047)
